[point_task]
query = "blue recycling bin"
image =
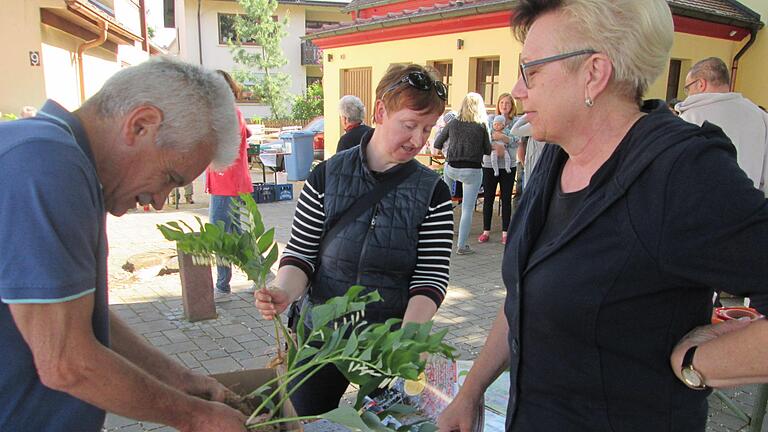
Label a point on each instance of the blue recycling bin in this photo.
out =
(299, 161)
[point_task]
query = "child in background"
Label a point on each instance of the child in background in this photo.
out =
(442, 122)
(500, 148)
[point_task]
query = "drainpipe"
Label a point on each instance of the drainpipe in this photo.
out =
(735, 67)
(86, 46)
(143, 24)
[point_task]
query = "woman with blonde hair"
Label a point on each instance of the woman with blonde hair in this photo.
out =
(464, 158)
(629, 223)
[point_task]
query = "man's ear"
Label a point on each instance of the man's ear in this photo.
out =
(142, 123)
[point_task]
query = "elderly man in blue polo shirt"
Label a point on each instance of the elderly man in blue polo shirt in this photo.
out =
(66, 361)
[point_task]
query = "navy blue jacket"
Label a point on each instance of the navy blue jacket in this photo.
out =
(593, 316)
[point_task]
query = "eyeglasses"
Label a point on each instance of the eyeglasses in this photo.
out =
(687, 87)
(524, 66)
(420, 81)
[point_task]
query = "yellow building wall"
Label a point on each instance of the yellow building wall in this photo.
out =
(500, 42)
(753, 65)
(21, 83)
(379, 56)
(689, 49)
(56, 78)
(60, 53)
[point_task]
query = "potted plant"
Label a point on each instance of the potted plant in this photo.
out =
(369, 355)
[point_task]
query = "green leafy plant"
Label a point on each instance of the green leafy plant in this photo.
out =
(211, 243)
(310, 104)
(369, 355)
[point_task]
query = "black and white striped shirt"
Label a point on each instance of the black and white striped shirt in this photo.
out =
(430, 277)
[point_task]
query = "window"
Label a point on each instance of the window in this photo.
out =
(487, 83)
(446, 71)
(227, 31)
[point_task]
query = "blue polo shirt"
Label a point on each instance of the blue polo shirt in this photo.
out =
(53, 249)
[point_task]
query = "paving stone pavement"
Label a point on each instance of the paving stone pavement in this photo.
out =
(239, 339)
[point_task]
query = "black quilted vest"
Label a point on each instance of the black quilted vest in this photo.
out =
(379, 249)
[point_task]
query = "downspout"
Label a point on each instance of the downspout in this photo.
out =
(103, 25)
(199, 34)
(143, 24)
(742, 51)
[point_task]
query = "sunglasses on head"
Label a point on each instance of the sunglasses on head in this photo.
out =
(420, 81)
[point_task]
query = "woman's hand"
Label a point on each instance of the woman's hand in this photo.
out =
(500, 136)
(459, 415)
(271, 302)
(699, 336)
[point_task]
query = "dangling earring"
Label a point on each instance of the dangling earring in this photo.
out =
(589, 102)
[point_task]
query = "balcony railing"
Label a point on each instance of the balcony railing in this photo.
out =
(310, 53)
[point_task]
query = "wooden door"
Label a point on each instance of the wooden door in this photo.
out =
(357, 82)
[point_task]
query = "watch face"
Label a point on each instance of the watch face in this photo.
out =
(691, 377)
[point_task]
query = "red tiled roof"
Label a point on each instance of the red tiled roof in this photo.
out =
(437, 7)
(724, 8)
(722, 11)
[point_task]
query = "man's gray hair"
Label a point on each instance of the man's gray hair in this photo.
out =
(197, 105)
(352, 108)
(712, 69)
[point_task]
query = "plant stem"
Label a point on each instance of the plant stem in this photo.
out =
(287, 378)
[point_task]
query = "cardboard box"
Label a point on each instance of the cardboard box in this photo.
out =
(244, 382)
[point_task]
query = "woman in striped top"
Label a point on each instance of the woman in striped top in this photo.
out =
(401, 246)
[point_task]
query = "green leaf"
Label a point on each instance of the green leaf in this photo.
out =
(351, 345)
(305, 353)
(266, 240)
(398, 409)
(348, 417)
(373, 422)
(322, 315)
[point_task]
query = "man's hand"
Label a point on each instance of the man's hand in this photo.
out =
(459, 415)
(216, 417)
(272, 302)
(205, 387)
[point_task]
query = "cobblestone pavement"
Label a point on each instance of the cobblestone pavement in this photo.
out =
(240, 339)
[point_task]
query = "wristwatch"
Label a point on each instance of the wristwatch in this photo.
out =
(691, 377)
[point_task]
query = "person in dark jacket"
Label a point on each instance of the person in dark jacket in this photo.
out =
(470, 140)
(352, 113)
(383, 247)
(627, 226)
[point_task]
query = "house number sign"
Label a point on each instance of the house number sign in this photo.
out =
(34, 58)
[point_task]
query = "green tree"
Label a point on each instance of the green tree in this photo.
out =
(310, 104)
(260, 27)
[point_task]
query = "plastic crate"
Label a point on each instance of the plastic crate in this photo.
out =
(284, 192)
(264, 193)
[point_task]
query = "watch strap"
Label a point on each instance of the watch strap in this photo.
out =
(688, 357)
(688, 369)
